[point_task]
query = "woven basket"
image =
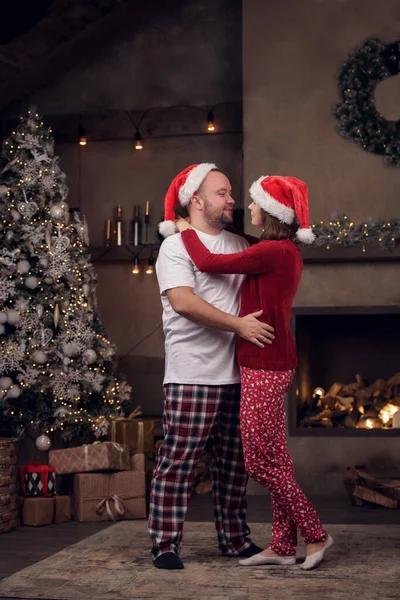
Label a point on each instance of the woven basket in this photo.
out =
(9, 512)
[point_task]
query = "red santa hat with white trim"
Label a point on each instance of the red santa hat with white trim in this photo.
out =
(181, 191)
(284, 198)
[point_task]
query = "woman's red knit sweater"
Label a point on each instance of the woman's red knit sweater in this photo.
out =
(273, 270)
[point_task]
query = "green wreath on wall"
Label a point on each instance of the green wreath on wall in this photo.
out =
(358, 119)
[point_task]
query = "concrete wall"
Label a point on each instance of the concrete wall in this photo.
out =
(291, 52)
(189, 55)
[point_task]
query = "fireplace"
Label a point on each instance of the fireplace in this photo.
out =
(347, 382)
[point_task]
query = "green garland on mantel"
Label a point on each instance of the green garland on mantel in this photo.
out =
(341, 230)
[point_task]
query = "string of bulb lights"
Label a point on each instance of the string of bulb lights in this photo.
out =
(137, 142)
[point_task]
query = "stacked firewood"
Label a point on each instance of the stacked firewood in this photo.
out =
(364, 488)
(355, 405)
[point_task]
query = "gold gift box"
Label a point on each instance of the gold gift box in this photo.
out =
(133, 432)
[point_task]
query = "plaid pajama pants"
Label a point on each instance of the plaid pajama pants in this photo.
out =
(193, 416)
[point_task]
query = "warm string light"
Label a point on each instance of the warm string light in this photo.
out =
(138, 141)
(136, 266)
(82, 136)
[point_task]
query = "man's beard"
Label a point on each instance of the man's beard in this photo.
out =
(219, 221)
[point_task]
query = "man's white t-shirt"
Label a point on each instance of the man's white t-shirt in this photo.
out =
(195, 354)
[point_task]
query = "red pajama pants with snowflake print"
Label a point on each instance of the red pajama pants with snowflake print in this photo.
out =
(267, 459)
(193, 416)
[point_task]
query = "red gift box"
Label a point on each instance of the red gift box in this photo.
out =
(38, 479)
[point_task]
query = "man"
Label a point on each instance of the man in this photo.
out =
(201, 383)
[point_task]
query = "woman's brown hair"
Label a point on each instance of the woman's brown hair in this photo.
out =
(273, 229)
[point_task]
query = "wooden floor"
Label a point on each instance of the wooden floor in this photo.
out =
(29, 545)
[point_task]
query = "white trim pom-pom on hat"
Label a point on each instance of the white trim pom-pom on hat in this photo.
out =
(181, 191)
(285, 198)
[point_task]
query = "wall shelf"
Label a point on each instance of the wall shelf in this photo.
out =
(122, 253)
(339, 254)
(311, 255)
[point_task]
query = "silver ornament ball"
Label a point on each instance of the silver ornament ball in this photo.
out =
(3, 317)
(90, 356)
(57, 211)
(23, 266)
(16, 216)
(9, 235)
(13, 392)
(31, 282)
(13, 317)
(43, 442)
(39, 357)
(5, 383)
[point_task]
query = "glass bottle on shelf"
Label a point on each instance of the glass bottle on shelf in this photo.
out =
(119, 226)
(136, 229)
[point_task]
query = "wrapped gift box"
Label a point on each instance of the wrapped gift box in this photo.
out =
(106, 456)
(137, 434)
(38, 480)
(45, 511)
(109, 497)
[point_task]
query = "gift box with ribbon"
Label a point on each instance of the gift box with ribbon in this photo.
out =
(45, 511)
(134, 432)
(109, 496)
(99, 456)
(38, 479)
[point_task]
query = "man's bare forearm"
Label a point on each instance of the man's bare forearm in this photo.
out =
(199, 311)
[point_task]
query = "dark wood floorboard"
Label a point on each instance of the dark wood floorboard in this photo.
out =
(29, 545)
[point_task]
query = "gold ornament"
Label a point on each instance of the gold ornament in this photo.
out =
(56, 315)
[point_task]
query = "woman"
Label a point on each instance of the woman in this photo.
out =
(273, 267)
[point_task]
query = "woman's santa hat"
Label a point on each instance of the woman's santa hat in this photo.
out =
(181, 191)
(284, 198)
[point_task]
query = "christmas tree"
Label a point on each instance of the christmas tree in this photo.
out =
(56, 364)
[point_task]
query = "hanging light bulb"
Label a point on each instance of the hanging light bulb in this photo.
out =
(82, 136)
(150, 266)
(136, 269)
(138, 144)
(210, 120)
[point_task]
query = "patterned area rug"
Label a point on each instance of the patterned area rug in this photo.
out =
(115, 564)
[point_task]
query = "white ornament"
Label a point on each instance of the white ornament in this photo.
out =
(44, 261)
(39, 310)
(49, 280)
(16, 216)
(90, 356)
(2, 328)
(13, 392)
(43, 335)
(61, 411)
(31, 282)
(9, 235)
(13, 317)
(43, 442)
(28, 209)
(86, 289)
(70, 349)
(39, 357)
(57, 211)
(23, 266)
(3, 317)
(5, 383)
(3, 190)
(59, 244)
